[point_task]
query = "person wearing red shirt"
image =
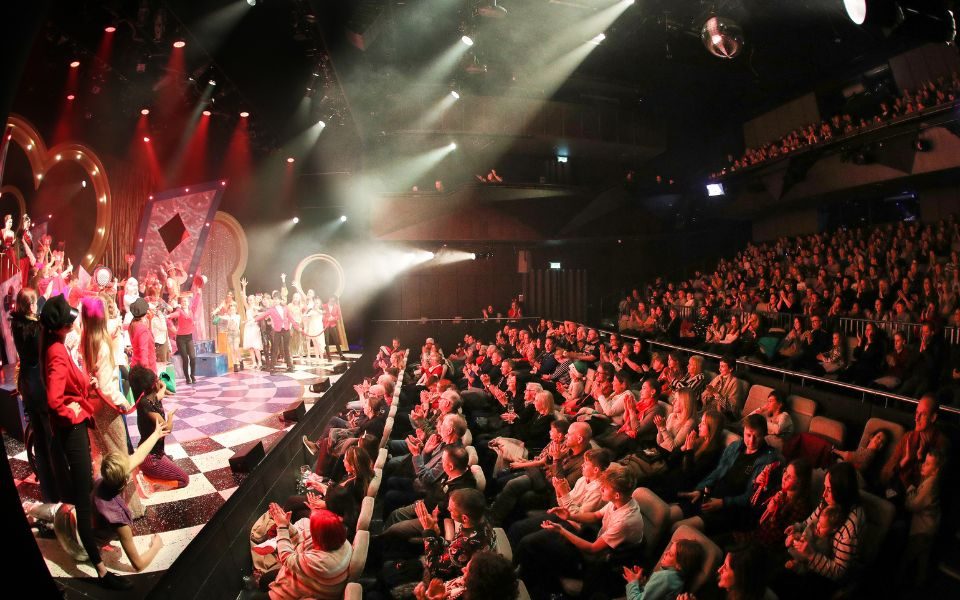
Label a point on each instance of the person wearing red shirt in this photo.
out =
(141, 337)
(331, 322)
(183, 316)
(71, 413)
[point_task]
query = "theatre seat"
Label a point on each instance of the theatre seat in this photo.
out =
(354, 591)
(381, 459)
(829, 429)
(472, 456)
(879, 514)
(656, 519)
(801, 412)
(479, 476)
(374, 487)
(875, 424)
(358, 561)
(366, 514)
(756, 397)
(713, 556)
(387, 430)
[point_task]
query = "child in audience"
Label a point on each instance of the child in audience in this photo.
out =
(819, 537)
(923, 504)
(863, 458)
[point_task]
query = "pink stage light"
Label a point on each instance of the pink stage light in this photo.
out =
(145, 111)
(179, 44)
(75, 64)
(109, 29)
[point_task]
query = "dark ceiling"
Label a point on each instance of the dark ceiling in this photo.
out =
(265, 57)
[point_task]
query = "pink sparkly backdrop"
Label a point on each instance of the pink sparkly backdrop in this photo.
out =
(196, 209)
(220, 261)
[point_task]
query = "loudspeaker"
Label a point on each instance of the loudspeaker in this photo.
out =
(340, 367)
(294, 411)
(320, 386)
(247, 457)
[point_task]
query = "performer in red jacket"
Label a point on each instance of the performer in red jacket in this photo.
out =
(70, 415)
(141, 337)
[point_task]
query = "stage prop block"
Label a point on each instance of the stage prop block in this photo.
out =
(211, 365)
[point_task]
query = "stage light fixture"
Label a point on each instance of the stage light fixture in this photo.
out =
(555, 266)
(561, 158)
(146, 139)
(75, 64)
(109, 29)
(856, 10)
(290, 159)
(431, 255)
(252, 2)
(467, 40)
(244, 115)
(598, 38)
(179, 44)
(144, 111)
(70, 96)
(207, 113)
(455, 95)
(296, 220)
(473, 256)
(343, 218)
(321, 124)
(212, 82)
(453, 145)
(716, 189)
(722, 37)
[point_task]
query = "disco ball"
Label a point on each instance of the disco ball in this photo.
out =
(722, 37)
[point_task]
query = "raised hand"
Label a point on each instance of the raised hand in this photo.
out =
(633, 574)
(282, 519)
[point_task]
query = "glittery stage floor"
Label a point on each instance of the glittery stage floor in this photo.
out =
(214, 418)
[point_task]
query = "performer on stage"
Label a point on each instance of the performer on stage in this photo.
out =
(331, 322)
(295, 312)
(8, 252)
(277, 314)
(182, 320)
(25, 249)
(252, 337)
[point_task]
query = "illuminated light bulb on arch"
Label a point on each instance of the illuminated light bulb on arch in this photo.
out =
(30, 146)
(83, 183)
(58, 157)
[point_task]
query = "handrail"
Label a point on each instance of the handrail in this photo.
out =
(804, 377)
(456, 320)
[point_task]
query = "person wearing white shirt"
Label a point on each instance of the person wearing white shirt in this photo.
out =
(585, 496)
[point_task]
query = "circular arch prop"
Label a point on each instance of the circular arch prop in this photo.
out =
(298, 272)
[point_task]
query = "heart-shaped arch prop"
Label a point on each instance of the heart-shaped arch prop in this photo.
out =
(42, 159)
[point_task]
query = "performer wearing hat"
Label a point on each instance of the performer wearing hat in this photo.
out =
(141, 337)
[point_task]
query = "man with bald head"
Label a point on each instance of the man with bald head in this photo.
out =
(537, 480)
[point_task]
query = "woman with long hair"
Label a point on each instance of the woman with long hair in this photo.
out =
(108, 402)
(696, 458)
(252, 339)
(70, 416)
(26, 337)
(342, 497)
